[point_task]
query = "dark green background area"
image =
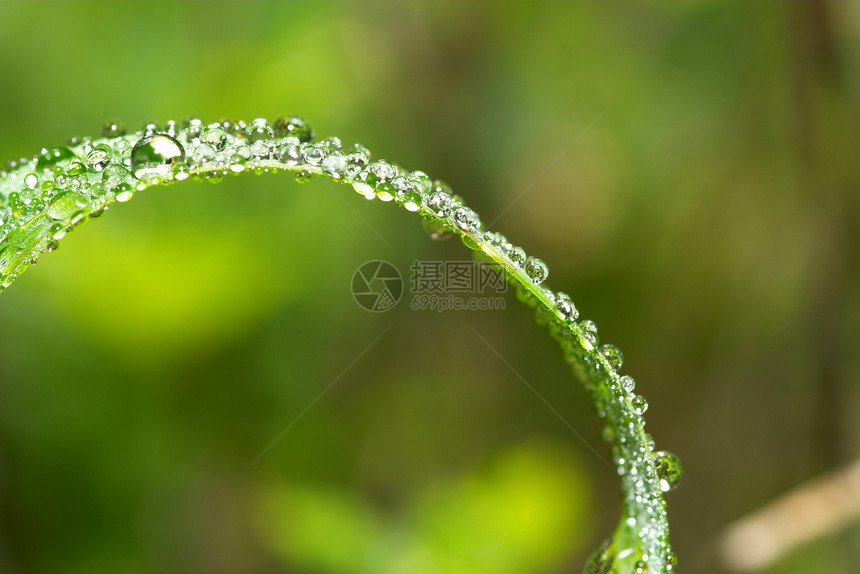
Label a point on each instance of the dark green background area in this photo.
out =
(688, 170)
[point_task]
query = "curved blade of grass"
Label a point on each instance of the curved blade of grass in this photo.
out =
(60, 188)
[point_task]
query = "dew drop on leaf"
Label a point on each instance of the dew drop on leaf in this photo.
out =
(257, 130)
(640, 405)
(565, 306)
(669, 470)
(517, 255)
(588, 335)
(627, 383)
(536, 270)
(99, 158)
(152, 156)
(613, 356)
(51, 156)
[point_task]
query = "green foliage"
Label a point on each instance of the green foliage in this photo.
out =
(44, 197)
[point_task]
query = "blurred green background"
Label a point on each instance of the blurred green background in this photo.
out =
(692, 180)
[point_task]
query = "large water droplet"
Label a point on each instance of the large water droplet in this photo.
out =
(153, 155)
(192, 126)
(50, 156)
(439, 203)
(335, 165)
(669, 470)
(627, 383)
(214, 136)
(517, 255)
(66, 204)
(565, 306)
(383, 170)
(290, 154)
(258, 130)
(536, 270)
(313, 155)
(99, 158)
(466, 219)
(613, 356)
(114, 175)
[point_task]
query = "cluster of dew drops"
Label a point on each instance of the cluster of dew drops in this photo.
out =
(63, 186)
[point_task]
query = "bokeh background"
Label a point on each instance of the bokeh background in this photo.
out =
(689, 170)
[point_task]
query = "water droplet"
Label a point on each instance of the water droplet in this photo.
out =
(613, 356)
(50, 156)
(335, 165)
(294, 126)
(31, 181)
(214, 136)
(470, 242)
(466, 219)
(669, 470)
(331, 144)
(114, 175)
(641, 567)
(125, 193)
(313, 155)
(76, 167)
(419, 182)
(243, 153)
(412, 201)
(536, 270)
(113, 129)
(257, 130)
(384, 191)
(627, 383)
(565, 306)
(383, 170)
(290, 155)
(439, 203)
(170, 128)
(192, 126)
(640, 405)
(203, 153)
(588, 335)
(517, 255)
(99, 158)
(303, 176)
(64, 205)
(153, 155)
(495, 239)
